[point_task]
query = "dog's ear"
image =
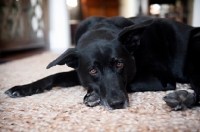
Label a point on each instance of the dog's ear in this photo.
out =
(69, 57)
(130, 36)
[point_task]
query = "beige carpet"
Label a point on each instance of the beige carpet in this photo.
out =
(63, 110)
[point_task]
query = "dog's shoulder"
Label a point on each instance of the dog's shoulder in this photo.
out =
(119, 22)
(137, 20)
(98, 23)
(85, 25)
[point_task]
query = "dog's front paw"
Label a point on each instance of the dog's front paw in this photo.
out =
(180, 99)
(91, 99)
(21, 91)
(16, 91)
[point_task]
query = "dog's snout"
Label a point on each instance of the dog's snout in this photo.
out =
(117, 104)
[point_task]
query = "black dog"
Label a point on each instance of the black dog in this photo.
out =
(114, 56)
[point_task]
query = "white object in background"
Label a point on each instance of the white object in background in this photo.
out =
(155, 9)
(196, 10)
(59, 37)
(72, 3)
(128, 8)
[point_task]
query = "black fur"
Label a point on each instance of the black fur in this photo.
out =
(114, 56)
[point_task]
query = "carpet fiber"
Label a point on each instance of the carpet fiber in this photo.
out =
(61, 109)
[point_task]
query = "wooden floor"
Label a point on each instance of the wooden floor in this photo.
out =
(15, 55)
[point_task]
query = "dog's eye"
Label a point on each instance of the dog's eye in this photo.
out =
(93, 71)
(119, 64)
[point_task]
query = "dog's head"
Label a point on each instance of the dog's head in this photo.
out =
(103, 63)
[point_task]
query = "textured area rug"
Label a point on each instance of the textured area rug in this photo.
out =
(62, 109)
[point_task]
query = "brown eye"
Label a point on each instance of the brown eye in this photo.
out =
(119, 64)
(93, 71)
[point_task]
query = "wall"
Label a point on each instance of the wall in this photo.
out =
(59, 34)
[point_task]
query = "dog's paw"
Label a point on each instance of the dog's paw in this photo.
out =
(15, 92)
(180, 99)
(21, 91)
(173, 100)
(91, 99)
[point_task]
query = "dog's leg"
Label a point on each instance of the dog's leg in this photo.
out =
(150, 83)
(91, 99)
(64, 79)
(177, 100)
(195, 85)
(181, 99)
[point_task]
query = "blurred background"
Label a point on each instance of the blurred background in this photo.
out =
(29, 27)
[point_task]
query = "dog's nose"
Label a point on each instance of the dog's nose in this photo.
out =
(117, 104)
